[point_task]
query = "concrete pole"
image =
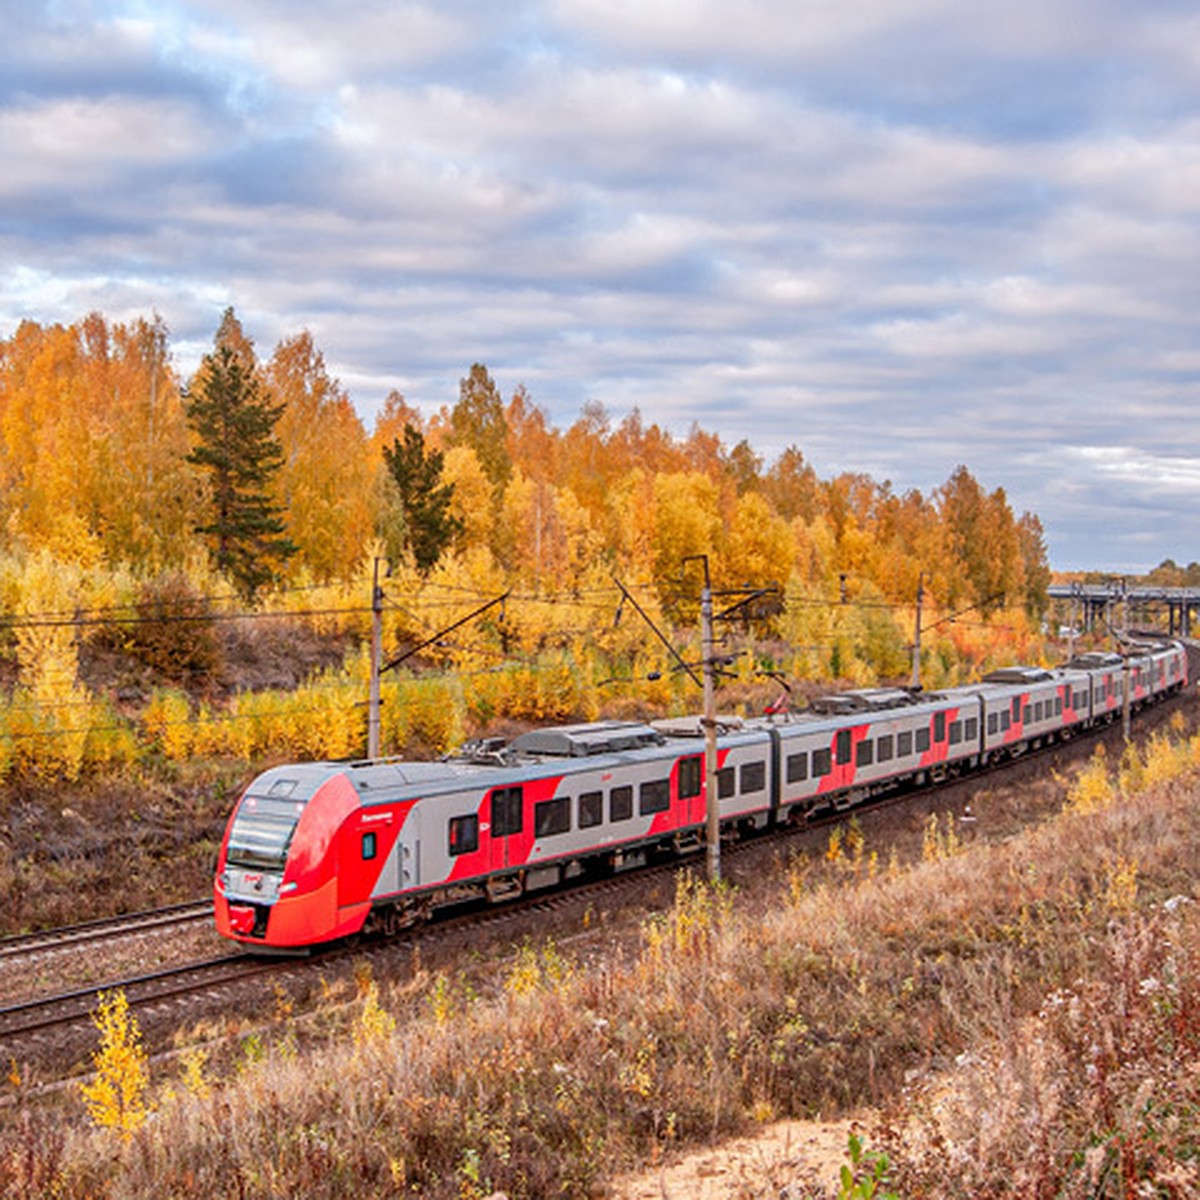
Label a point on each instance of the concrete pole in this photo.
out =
(373, 704)
(915, 681)
(711, 796)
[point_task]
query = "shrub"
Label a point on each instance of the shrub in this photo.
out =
(172, 632)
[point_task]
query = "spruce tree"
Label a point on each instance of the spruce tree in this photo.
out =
(424, 499)
(234, 422)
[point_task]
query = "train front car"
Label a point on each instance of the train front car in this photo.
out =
(276, 880)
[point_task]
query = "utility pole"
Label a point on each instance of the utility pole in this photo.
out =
(712, 810)
(1126, 699)
(915, 682)
(1074, 617)
(373, 705)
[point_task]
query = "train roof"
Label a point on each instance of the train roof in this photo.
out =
(1019, 675)
(864, 700)
(585, 740)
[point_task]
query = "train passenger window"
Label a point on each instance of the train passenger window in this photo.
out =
(822, 763)
(993, 724)
(971, 729)
(843, 746)
(885, 748)
(955, 732)
(1005, 722)
(620, 803)
(654, 796)
(797, 767)
(904, 744)
(689, 777)
(864, 753)
(552, 816)
(1016, 708)
(1028, 714)
(506, 811)
(726, 783)
(1080, 699)
(369, 846)
(939, 727)
(922, 740)
(591, 809)
(754, 777)
(464, 834)
(1058, 706)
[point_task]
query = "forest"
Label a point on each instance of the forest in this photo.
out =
(149, 514)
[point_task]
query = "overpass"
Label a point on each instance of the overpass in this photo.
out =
(1116, 604)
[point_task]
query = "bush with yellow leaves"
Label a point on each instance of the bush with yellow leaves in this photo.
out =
(117, 1097)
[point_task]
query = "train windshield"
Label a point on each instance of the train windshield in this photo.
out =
(262, 832)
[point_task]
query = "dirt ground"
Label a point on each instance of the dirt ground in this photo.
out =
(771, 1163)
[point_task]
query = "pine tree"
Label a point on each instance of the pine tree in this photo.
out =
(424, 499)
(234, 422)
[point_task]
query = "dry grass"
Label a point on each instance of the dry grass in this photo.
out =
(1025, 1013)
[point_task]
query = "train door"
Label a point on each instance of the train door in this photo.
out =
(691, 790)
(408, 852)
(506, 823)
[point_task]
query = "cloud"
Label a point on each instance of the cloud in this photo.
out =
(899, 235)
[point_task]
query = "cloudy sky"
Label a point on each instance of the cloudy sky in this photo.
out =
(899, 234)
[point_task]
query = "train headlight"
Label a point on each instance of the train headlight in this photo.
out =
(287, 887)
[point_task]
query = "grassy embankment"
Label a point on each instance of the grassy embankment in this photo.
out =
(1026, 1014)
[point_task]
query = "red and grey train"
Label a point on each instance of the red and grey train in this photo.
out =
(318, 851)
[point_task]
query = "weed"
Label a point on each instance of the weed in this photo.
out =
(867, 1172)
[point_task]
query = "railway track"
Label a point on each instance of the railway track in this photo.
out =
(71, 936)
(28, 1018)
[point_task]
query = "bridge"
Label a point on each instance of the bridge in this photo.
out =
(1115, 604)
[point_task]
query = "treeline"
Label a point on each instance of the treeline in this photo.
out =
(155, 518)
(108, 456)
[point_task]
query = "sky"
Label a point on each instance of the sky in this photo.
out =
(900, 235)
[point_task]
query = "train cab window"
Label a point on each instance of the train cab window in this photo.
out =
(552, 816)
(822, 763)
(993, 724)
(591, 809)
(844, 740)
(797, 767)
(726, 783)
(885, 748)
(689, 777)
(754, 777)
(620, 803)
(507, 809)
(864, 753)
(654, 796)
(904, 743)
(922, 740)
(464, 834)
(971, 729)
(370, 846)
(939, 727)
(955, 732)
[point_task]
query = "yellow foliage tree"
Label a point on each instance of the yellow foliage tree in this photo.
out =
(117, 1097)
(327, 477)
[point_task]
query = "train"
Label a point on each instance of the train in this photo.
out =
(320, 851)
